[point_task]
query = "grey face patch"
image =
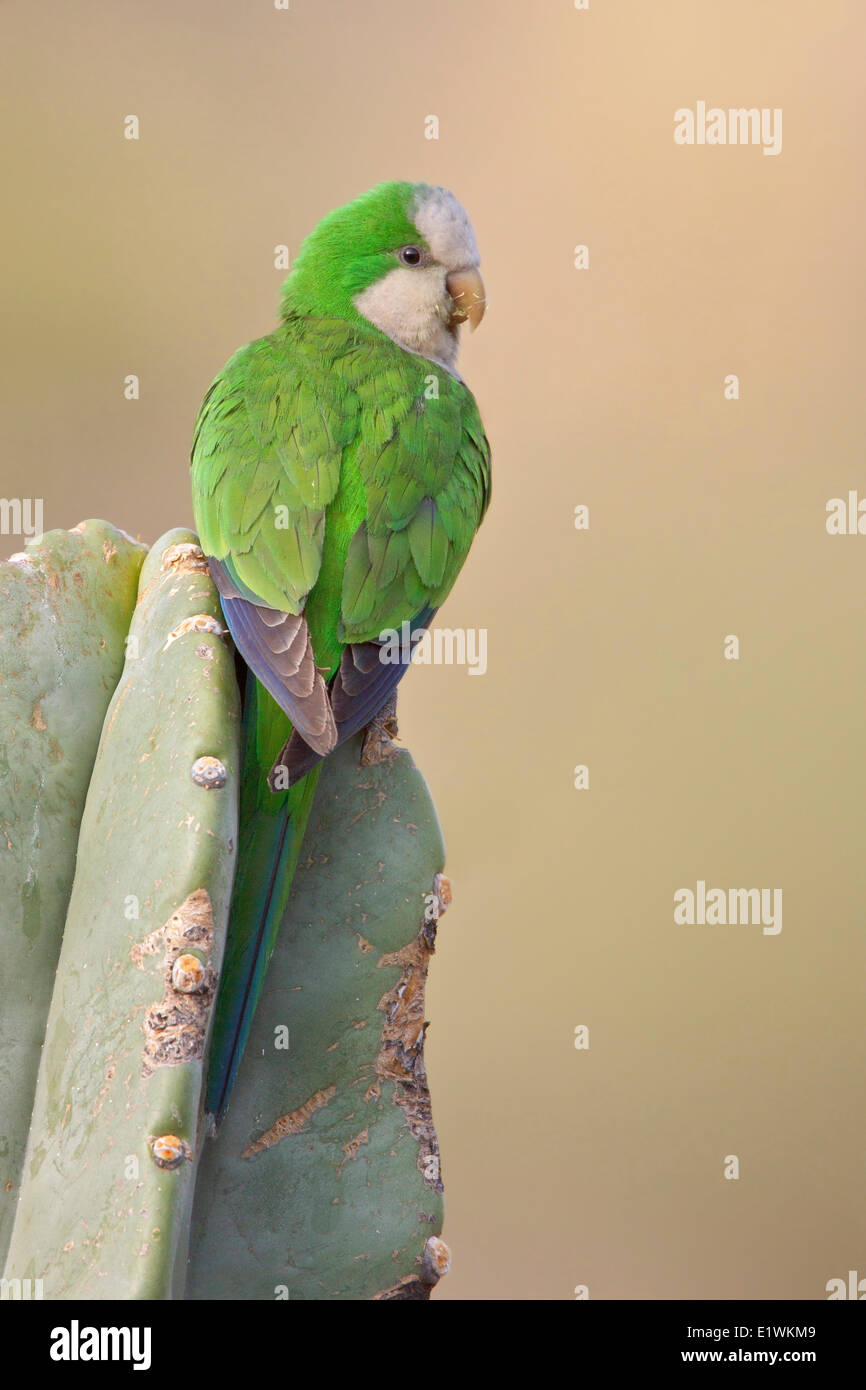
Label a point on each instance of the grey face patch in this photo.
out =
(445, 226)
(412, 304)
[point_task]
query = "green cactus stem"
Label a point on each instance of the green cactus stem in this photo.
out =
(108, 1176)
(65, 607)
(324, 1180)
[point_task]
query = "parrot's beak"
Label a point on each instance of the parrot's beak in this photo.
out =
(466, 289)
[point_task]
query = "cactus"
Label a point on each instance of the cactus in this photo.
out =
(65, 605)
(324, 1180)
(108, 1175)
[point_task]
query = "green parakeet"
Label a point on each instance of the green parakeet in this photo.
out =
(339, 473)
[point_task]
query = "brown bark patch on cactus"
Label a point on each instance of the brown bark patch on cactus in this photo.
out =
(401, 1053)
(175, 1028)
(292, 1123)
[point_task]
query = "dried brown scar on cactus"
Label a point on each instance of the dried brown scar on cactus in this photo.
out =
(379, 735)
(175, 1028)
(353, 1148)
(401, 1052)
(293, 1123)
(435, 1262)
(184, 555)
(200, 622)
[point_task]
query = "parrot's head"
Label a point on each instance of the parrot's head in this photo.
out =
(402, 256)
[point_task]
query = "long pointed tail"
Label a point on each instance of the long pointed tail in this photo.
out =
(272, 830)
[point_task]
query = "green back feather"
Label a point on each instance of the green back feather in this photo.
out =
(321, 407)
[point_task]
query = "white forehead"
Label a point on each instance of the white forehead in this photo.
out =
(445, 227)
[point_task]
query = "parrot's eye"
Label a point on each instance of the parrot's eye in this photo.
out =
(410, 255)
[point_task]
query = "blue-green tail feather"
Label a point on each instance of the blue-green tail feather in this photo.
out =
(270, 837)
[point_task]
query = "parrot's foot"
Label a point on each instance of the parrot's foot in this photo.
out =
(379, 735)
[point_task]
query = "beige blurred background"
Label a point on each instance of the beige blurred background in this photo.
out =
(604, 387)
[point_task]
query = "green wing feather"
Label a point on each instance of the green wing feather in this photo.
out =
(321, 408)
